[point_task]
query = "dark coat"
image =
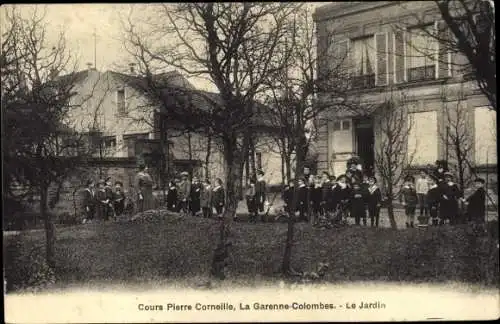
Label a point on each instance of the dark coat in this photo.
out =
(316, 195)
(206, 197)
(326, 190)
(218, 197)
(358, 202)
(374, 198)
(260, 191)
(409, 196)
(433, 197)
(341, 195)
(172, 195)
(476, 208)
(302, 201)
(89, 198)
(195, 192)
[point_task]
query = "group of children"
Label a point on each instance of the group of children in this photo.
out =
(440, 199)
(103, 202)
(193, 197)
(332, 199)
(353, 194)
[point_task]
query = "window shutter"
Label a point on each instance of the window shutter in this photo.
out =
(399, 56)
(381, 67)
(444, 53)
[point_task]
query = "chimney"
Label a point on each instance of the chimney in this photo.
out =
(132, 68)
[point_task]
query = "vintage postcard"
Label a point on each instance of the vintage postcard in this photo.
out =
(250, 162)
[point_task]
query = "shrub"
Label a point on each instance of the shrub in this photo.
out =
(25, 266)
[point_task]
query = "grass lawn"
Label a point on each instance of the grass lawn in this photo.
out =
(169, 248)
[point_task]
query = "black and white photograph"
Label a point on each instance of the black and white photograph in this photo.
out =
(249, 162)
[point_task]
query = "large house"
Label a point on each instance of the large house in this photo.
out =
(387, 54)
(124, 128)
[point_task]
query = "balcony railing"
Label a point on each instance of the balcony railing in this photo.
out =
(366, 81)
(422, 73)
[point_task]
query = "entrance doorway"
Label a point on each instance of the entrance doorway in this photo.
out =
(365, 142)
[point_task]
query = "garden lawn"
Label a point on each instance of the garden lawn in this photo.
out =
(169, 248)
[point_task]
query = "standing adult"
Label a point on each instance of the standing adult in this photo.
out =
(144, 189)
(206, 199)
(183, 193)
(260, 193)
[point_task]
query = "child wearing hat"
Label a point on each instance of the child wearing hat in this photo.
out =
(432, 199)
(118, 198)
(374, 201)
(408, 197)
(450, 194)
(476, 208)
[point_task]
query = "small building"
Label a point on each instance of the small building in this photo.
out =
(125, 128)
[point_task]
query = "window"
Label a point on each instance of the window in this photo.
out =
(423, 138)
(363, 62)
(421, 49)
(485, 136)
(337, 125)
(120, 101)
(109, 141)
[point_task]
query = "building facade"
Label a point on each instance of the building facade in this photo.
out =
(389, 53)
(124, 129)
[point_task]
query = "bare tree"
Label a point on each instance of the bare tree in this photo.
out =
(464, 38)
(392, 156)
(312, 69)
(39, 148)
(457, 137)
(233, 45)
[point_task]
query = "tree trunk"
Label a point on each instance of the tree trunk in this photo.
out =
(287, 256)
(253, 169)
(207, 157)
(283, 175)
(390, 206)
(49, 227)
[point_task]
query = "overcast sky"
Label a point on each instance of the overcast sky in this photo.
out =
(79, 22)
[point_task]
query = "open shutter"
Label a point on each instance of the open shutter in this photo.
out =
(444, 53)
(381, 66)
(399, 56)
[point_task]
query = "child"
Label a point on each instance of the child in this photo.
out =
(194, 197)
(118, 198)
(476, 208)
(206, 199)
(449, 199)
(302, 200)
(374, 201)
(358, 203)
(326, 189)
(251, 202)
(422, 186)
(408, 198)
(340, 196)
(218, 197)
(110, 211)
(89, 205)
(432, 199)
(260, 193)
(172, 196)
(316, 198)
(183, 193)
(102, 202)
